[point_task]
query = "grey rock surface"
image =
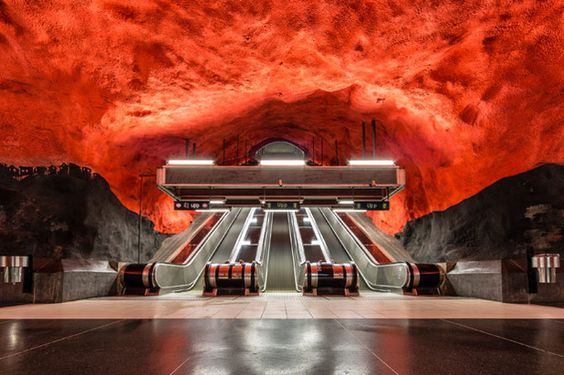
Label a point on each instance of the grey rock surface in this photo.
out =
(515, 215)
(70, 215)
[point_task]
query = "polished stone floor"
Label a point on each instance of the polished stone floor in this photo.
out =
(282, 306)
(281, 333)
(274, 346)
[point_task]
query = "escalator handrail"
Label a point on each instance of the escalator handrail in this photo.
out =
(298, 254)
(263, 251)
(370, 257)
(203, 241)
(196, 226)
(370, 267)
(324, 249)
(233, 257)
(197, 252)
(367, 252)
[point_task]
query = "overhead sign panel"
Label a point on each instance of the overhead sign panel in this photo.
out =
(372, 206)
(281, 206)
(191, 205)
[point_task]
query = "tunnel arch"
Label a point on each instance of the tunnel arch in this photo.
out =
(279, 148)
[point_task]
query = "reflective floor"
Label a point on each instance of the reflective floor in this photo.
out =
(274, 346)
(281, 333)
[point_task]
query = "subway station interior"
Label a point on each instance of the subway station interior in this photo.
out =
(268, 187)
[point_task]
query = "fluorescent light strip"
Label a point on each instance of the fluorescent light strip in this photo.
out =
(215, 210)
(244, 231)
(347, 210)
(190, 162)
(217, 201)
(346, 201)
(267, 210)
(283, 163)
(318, 235)
(372, 162)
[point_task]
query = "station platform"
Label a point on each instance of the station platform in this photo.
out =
(281, 333)
(282, 305)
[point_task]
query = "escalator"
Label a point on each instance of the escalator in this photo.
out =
(246, 248)
(177, 248)
(384, 247)
(217, 246)
(318, 269)
(395, 276)
(226, 246)
(312, 242)
(280, 274)
(338, 253)
(279, 245)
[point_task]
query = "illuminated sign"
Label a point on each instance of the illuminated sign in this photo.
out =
(281, 206)
(191, 205)
(372, 206)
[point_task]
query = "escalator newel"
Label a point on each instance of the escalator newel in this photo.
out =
(137, 279)
(231, 278)
(331, 278)
(423, 278)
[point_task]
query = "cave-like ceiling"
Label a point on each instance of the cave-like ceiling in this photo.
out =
(466, 92)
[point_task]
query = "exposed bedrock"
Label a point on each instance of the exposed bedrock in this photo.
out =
(69, 215)
(516, 214)
(466, 92)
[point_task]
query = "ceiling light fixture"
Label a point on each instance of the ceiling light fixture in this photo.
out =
(267, 210)
(347, 210)
(191, 162)
(372, 162)
(283, 163)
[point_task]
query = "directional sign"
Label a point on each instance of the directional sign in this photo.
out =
(281, 206)
(372, 206)
(191, 205)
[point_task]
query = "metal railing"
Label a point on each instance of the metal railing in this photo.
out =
(234, 256)
(298, 255)
(377, 276)
(173, 245)
(319, 237)
(263, 251)
(177, 277)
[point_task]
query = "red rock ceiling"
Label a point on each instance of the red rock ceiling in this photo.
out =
(467, 92)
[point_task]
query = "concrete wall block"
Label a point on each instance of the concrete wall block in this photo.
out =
(80, 285)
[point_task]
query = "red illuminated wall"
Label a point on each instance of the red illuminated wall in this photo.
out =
(467, 92)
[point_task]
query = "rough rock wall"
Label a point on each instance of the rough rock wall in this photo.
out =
(467, 92)
(69, 215)
(506, 219)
